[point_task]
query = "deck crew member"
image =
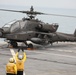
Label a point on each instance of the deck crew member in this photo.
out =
(20, 59)
(11, 68)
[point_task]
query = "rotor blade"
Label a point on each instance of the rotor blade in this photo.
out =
(10, 10)
(60, 15)
(27, 12)
(35, 13)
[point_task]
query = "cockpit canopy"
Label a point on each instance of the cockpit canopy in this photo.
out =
(7, 26)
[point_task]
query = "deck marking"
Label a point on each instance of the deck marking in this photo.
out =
(13, 54)
(64, 50)
(55, 54)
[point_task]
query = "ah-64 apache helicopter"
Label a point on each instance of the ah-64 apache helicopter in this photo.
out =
(34, 30)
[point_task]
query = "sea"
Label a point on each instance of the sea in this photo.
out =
(66, 24)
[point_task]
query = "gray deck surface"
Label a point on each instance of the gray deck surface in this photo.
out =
(59, 59)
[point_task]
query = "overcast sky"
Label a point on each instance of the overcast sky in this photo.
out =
(42, 3)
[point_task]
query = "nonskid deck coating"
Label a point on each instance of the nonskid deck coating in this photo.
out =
(59, 59)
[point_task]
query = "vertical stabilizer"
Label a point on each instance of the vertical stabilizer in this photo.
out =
(75, 33)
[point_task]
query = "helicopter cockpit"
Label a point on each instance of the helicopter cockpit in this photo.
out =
(9, 24)
(6, 27)
(15, 27)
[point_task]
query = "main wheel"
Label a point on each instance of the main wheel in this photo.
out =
(30, 46)
(14, 44)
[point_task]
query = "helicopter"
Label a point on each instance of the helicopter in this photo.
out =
(34, 30)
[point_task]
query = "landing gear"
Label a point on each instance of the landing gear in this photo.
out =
(29, 45)
(51, 43)
(13, 44)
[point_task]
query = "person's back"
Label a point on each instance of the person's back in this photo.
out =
(20, 65)
(11, 68)
(20, 59)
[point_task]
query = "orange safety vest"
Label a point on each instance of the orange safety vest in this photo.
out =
(11, 68)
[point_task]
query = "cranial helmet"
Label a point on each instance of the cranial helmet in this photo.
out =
(11, 60)
(20, 57)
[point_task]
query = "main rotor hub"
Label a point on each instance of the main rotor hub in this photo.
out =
(31, 13)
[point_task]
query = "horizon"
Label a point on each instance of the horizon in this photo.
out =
(40, 3)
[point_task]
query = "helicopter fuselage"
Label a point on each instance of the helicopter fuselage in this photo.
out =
(28, 29)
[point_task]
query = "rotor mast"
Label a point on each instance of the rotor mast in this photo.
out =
(31, 15)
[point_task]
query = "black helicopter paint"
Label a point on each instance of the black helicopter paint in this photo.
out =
(34, 30)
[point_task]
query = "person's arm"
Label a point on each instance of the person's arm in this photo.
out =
(6, 68)
(16, 56)
(15, 68)
(24, 58)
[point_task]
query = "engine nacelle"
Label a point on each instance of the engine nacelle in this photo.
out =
(48, 27)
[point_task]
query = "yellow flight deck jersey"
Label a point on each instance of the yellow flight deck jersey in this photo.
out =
(20, 63)
(11, 68)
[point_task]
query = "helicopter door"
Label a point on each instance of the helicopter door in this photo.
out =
(15, 27)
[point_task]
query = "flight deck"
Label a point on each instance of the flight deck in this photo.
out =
(58, 59)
